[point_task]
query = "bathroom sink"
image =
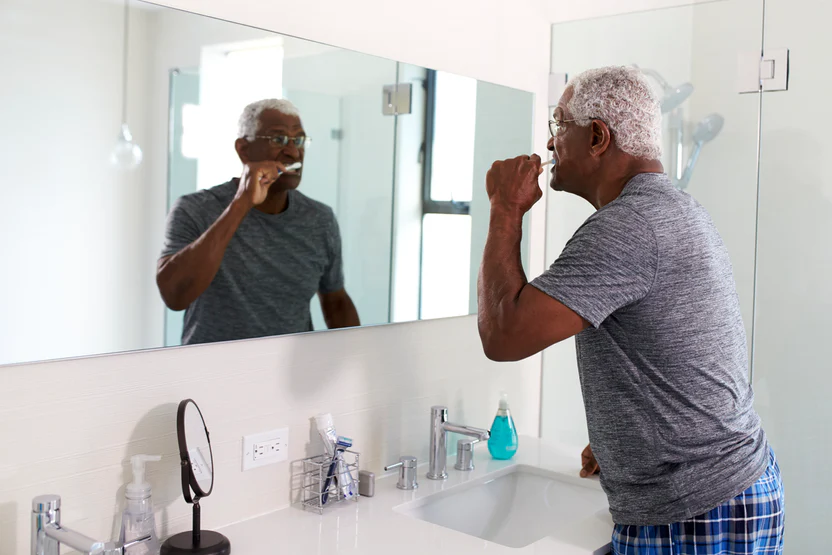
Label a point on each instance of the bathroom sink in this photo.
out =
(515, 508)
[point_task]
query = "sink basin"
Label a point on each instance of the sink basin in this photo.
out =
(515, 508)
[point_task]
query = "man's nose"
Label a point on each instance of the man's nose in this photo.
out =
(551, 144)
(292, 151)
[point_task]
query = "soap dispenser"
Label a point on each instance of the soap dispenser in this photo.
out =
(138, 520)
(503, 441)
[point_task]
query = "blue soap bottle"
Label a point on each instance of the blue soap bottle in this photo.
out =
(503, 441)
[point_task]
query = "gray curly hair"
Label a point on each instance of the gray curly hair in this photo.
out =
(247, 126)
(623, 99)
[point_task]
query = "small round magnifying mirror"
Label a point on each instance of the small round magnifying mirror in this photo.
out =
(195, 449)
(197, 462)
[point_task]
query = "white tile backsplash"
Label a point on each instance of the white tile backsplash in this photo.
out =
(69, 427)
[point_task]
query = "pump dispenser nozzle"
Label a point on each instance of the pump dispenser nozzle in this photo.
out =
(139, 487)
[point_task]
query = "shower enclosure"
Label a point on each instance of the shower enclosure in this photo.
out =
(756, 162)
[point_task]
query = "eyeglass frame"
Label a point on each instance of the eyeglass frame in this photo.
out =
(304, 140)
(557, 124)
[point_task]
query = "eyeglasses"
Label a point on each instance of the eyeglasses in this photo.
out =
(282, 140)
(556, 126)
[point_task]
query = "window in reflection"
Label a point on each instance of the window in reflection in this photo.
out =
(446, 253)
(448, 191)
(454, 128)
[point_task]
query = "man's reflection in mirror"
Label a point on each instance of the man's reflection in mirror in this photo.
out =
(245, 258)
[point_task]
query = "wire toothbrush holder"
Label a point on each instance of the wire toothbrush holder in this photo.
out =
(313, 488)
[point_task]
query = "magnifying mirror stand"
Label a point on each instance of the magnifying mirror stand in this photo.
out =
(197, 541)
(197, 465)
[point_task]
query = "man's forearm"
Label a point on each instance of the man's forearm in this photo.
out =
(338, 309)
(501, 276)
(184, 276)
(346, 318)
(344, 315)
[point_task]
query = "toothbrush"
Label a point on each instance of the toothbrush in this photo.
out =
(546, 163)
(293, 167)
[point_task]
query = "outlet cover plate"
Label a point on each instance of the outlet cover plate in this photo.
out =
(265, 448)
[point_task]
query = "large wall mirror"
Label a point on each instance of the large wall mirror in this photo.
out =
(122, 145)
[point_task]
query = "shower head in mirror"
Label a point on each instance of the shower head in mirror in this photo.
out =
(707, 129)
(673, 98)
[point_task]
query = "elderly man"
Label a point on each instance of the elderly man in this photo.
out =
(245, 258)
(647, 287)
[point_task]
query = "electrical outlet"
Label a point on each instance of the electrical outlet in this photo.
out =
(265, 448)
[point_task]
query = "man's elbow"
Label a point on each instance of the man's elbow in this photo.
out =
(174, 306)
(173, 303)
(496, 347)
(171, 300)
(497, 354)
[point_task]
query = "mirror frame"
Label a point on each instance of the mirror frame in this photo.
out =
(189, 481)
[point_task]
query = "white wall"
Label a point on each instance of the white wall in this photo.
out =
(379, 381)
(61, 278)
(561, 11)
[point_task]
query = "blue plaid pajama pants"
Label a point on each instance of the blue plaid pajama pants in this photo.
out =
(750, 524)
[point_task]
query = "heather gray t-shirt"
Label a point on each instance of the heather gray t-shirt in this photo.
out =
(664, 368)
(273, 266)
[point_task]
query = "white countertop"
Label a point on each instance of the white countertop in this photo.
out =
(371, 526)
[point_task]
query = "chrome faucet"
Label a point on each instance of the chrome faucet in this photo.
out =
(439, 428)
(48, 535)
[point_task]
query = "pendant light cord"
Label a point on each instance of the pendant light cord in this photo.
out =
(124, 61)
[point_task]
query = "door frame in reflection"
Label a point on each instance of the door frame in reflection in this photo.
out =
(183, 91)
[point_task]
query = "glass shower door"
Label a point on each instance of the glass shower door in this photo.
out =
(689, 54)
(793, 353)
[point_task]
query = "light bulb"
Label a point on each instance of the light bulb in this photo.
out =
(126, 155)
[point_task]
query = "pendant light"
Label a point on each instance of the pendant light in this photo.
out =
(126, 154)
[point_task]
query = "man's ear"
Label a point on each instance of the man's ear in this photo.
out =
(601, 137)
(241, 146)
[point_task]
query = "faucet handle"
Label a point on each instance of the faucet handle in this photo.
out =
(407, 474)
(465, 454)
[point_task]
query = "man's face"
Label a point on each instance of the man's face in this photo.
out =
(570, 149)
(277, 124)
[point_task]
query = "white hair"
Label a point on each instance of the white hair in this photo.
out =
(247, 126)
(623, 99)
